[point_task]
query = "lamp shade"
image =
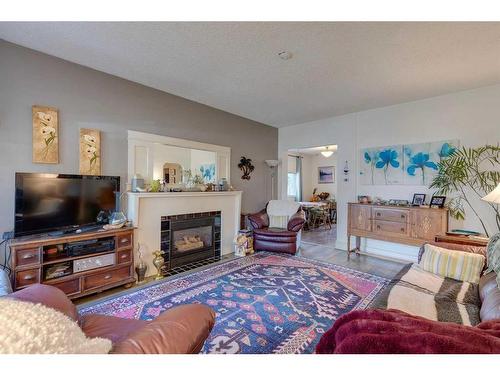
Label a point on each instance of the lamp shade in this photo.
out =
(494, 196)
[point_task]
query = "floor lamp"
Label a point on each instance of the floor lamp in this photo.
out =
(273, 164)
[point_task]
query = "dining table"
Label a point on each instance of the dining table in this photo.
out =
(306, 206)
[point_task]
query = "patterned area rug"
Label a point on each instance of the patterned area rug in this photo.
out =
(265, 303)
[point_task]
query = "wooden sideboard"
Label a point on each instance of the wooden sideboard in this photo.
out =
(400, 224)
(30, 257)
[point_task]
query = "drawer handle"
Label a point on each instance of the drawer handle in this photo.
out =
(28, 256)
(107, 277)
(378, 226)
(28, 277)
(124, 240)
(124, 256)
(403, 216)
(378, 214)
(402, 229)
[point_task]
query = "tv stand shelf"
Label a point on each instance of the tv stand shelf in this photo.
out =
(29, 263)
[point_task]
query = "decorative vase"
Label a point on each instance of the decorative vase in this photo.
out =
(141, 270)
(158, 262)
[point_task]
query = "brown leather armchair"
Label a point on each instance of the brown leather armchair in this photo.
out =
(180, 330)
(276, 239)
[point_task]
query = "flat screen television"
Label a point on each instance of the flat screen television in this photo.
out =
(61, 202)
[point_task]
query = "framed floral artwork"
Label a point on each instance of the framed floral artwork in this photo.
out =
(90, 152)
(45, 134)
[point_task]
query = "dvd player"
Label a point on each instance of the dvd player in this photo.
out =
(93, 246)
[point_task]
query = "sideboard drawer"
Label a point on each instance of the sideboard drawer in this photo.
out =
(390, 228)
(27, 257)
(391, 214)
(27, 277)
(106, 277)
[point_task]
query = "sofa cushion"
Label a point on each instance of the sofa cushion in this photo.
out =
(457, 265)
(481, 250)
(490, 297)
(28, 328)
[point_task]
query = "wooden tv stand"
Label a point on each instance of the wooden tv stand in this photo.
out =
(31, 256)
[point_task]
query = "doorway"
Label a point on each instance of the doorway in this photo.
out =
(312, 181)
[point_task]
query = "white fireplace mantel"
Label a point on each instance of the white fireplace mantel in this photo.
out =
(146, 209)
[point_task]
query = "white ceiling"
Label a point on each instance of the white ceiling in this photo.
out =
(337, 68)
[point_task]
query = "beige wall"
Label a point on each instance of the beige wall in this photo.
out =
(91, 99)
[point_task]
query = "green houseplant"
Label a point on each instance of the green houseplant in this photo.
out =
(466, 175)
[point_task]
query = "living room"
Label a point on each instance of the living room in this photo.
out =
(181, 187)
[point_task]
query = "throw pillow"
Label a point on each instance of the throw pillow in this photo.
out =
(456, 265)
(493, 254)
(278, 221)
(28, 328)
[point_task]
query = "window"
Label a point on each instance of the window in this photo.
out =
(293, 185)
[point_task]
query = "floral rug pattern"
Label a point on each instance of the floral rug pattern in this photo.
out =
(265, 303)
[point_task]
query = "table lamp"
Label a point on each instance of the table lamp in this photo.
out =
(494, 196)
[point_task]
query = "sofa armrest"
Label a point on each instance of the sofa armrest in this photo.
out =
(481, 250)
(180, 330)
(296, 221)
(49, 296)
(259, 220)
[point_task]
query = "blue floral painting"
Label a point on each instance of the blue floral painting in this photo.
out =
(208, 172)
(413, 164)
(382, 166)
(421, 161)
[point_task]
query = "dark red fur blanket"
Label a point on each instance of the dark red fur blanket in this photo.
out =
(393, 331)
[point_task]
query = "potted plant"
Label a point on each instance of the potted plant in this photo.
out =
(467, 175)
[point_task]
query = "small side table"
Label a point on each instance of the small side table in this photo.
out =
(461, 239)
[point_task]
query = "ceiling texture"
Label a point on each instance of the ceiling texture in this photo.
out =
(336, 67)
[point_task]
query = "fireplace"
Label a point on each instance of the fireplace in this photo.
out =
(190, 240)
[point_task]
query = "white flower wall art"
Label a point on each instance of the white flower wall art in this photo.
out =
(45, 135)
(90, 152)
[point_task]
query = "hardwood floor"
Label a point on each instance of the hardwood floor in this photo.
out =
(364, 263)
(320, 236)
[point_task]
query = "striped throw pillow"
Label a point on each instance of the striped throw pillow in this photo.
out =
(456, 265)
(278, 221)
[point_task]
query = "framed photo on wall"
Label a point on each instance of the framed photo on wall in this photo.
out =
(326, 175)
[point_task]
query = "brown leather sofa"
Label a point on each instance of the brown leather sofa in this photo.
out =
(489, 291)
(180, 330)
(276, 239)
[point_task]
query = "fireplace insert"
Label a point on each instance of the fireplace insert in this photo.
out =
(190, 238)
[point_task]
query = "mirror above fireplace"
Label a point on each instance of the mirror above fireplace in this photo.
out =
(168, 159)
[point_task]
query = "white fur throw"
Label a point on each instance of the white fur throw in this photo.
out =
(28, 328)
